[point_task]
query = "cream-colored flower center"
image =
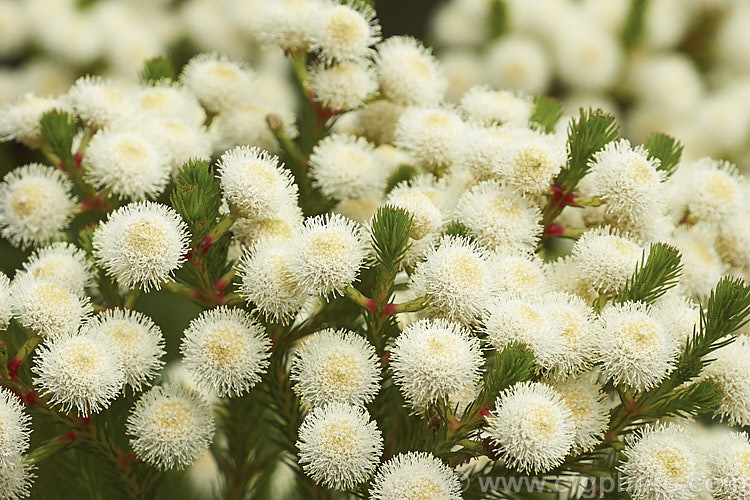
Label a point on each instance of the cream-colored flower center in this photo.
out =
(29, 198)
(623, 247)
(464, 269)
(416, 63)
(504, 208)
(534, 160)
(441, 346)
(172, 418)
(516, 72)
(423, 488)
(354, 159)
(417, 204)
(84, 360)
(570, 325)
(639, 172)
(339, 439)
(53, 296)
(126, 336)
(540, 423)
(329, 244)
(50, 267)
(155, 100)
(111, 96)
(223, 347)
(639, 336)
(721, 187)
(145, 237)
(671, 462)
(346, 28)
(260, 173)
(579, 405)
(132, 151)
(340, 371)
(225, 72)
(741, 461)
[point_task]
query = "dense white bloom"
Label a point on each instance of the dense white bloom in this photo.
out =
(663, 463)
(46, 308)
(587, 56)
(627, 180)
(345, 166)
(605, 259)
(343, 86)
(485, 150)
(486, 106)
(499, 217)
(434, 359)
(225, 350)
(458, 278)
(634, 347)
(336, 366)
(573, 324)
(6, 306)
(219, 83)
(247, 126)
(378, 120)
(288, 23)
(531, 161)
(100, 104)
(281, 225)
(419, 199)
(81, 372)
(15, 478)
(733, 241)
(563, 275)
(436, 137)
(532, 427)
(415, 475)
(141, 244)
(339, 446)
(731, 372)
(517, 62)
(586, 402)
(327, 254)
(268, 280)
(61, 263)
(136, 339)
(169, 101)
(179, 142)
(679, 315)
(171, 427)
(127, 164)
(14, 431)
(667, 81)
(715, 190)
(408, 73)
(35, 204)
(253, 182)
(702, 266)
(518, 274)
(20, 120)
(345, 31)
(728, 467)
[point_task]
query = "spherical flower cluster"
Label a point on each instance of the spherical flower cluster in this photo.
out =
(61, 263)
(418, 199)
(171, 427)
(339, 446)
(435, 359)
(532, 427)
(408, 74)
(344, 166)
(336, 366)
(415, 475)
(586, 402)
(99, 103)
(141, 244)
(730, 372)
(35, 204)
(435, 136)
(14, 433)
(728, 467)
(218, 82)
(606, 259)
(345, 32)
(20, 121)
(486, 106)
(226, 351)
(344, 86)
(15, 478)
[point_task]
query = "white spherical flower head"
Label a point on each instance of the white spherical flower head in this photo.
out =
(126, 164)
(142, 244)
(344, 166)
(6, 305)
(169, 100)
(702, 266)
(225, 350)
(486, 106)
(532, 427)
(100, 104)
(523, 320)
(61, 263)
(485, 150)
(499, 217)
(605, 259)
(179, 142)
(219, 83)
(436, 137)
(253, 182)
(344, 32)
(627, 179)
(679, 315)
(20, 121)
(290, 24)
(47, 309)
(81, 372)
(415, 475)
(408, 73)
(434, 359)
(136, 339)
(663, 463)
(588, 56)
(458, 278)
(377, 121)
(634, 347)
(573, 324)
(339, 446)
(531, 162)
(563, 275)
(733, 241)
(327, 254)
(15, 478)
(729, 468)
(343, 86)
(518, 274)
(336, 366)
(517, 62)
(419, 199)
(586, 401)
(731, 372)
(14, 426)
(171, 427)
(268, 280)
(35, 204)
(279, 226)
(715, 190)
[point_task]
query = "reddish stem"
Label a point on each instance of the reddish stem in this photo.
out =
(554, 230)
